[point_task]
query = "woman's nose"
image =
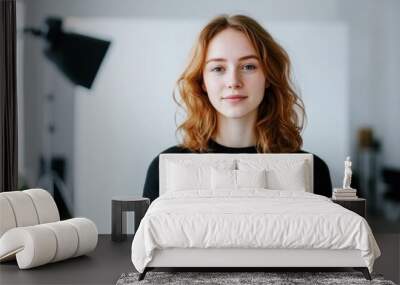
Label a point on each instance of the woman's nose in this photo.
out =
(233, 80)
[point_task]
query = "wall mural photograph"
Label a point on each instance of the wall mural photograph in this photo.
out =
(148, 135)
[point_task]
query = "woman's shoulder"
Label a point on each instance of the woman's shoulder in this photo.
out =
(176, 149)
(318, 161)
(172, 149)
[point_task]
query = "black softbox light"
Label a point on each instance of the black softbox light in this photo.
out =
(77, 56)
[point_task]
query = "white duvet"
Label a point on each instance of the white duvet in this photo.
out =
(251, 218)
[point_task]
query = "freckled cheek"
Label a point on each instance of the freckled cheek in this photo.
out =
(256, 85)
(255, 95)
(214, 87)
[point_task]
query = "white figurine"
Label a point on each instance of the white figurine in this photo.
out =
(347, 174)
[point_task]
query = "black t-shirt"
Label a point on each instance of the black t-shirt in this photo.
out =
(322, 179)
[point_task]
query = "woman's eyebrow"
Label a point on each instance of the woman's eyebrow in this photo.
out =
(240, 59)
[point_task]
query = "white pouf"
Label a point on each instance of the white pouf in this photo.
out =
(37, 245)
(32, 233)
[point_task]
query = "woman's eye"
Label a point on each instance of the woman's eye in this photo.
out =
(217, 69)
(249, 67)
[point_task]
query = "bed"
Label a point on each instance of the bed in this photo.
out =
(247, 211)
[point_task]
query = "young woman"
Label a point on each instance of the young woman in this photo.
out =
(238, 96)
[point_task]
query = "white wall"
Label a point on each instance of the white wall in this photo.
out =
(386, 70)
(361, 63)
(374, 61)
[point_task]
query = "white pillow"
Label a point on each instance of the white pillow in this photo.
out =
(236, 179)
(188, 175)
(223, 179)
(281, 174)
(293, 178)
(251, 178)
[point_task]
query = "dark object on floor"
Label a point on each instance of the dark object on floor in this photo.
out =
(273, 277)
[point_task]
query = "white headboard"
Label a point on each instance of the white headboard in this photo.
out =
(209, 157)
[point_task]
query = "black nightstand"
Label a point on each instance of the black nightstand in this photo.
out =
(358, 205)
(121, 205)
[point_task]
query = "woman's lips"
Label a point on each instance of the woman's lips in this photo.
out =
(234, 98)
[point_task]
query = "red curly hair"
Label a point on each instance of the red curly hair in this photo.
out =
(281, 113)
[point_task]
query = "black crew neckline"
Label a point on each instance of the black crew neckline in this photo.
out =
(214, 145)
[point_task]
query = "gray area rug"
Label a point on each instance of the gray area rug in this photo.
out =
(229, 278)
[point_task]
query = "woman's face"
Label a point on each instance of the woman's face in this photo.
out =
(233, 76)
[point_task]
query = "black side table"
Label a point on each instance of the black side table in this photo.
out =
(122, 204)
(358, 205)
